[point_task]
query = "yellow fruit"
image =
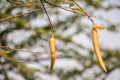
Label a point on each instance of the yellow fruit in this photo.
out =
(52, 51)
(96, 46)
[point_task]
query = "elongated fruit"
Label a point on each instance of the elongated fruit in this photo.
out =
(52, 51)
(96, 46)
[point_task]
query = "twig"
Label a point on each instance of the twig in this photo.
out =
(52, 27)
(20, 50)
(53, 5)
(60, 55)
(89, 17)
(7, 18)
(17, 3)
(62, 8)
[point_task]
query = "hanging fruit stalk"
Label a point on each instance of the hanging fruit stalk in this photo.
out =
(96, 46)
(52, 40)
(52, 51)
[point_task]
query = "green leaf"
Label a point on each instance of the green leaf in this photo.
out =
(112, 27)
(5, 55)
(30, 3)
(71, 4)
(79, 10)
(24, 68)
(4, 52)
(55, 1)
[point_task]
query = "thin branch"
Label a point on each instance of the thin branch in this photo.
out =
(52, 27)
(33, 11)
(89, 17)
(21, 50)
(63, 8)
(16, 3)
(53, 5)
(27, 50)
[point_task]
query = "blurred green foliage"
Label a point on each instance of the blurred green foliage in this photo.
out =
(39, 35)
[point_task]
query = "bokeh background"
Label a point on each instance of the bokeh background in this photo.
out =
(76, 59)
